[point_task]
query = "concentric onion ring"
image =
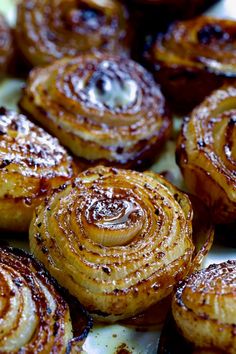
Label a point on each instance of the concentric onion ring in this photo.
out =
(206, 153)
(34, 316)
(105, 109)
(50, 29)
(193, 58)
(6, 45)
(204, 308)
(118, 240)
(32, 163)
(202, 236)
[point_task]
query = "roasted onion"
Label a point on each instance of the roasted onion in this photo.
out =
(206, 153)
(32, 163)
(50, 29)
(204, 308)
(6, 46)
(118, 240)
(106, 109)
(193, 58)
(35, 318)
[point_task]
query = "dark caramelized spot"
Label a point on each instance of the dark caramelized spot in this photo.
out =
(201, 143)
(18, 282)
(45, 250)
(85, 17)
(157, 212)
(103, 83)
(5, 163)
(232, 121)
(106, 270)
(56, 327)
(211, 33)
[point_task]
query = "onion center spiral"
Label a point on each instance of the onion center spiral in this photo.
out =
(112, 217)
(212, 34)
(112, 88)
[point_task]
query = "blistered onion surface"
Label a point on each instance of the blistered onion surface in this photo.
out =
(117, 240)
(206, 153)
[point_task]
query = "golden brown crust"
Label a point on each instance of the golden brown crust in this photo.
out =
(123, 244)
(193, 58)
(6, 46)
(203, 236)
(104, 108)
(49, 29)
(204, 308)
(32, 163)
(34, 315)
(206, 153)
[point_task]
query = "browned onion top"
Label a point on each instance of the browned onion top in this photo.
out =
(204, 42)
(51, 29)
(29, 154)
(208, 147)
(117, 239)
(204, 308)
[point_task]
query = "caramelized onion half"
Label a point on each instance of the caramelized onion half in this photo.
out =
(34, 315)
(204, 308)
(51, 29)
(105, 109)
(32, 163)
(193, 58)
(6, 46)
(206, 153)
(118, 240)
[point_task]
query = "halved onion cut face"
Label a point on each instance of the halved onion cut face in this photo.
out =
(118, 240)
(204, 308)
(206, 153)
(106, 109)
(47, 30)
(35, 316)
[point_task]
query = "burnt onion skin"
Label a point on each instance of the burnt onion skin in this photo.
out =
(48, 29)
(34, 310)
(6, 46)
(118, 240)
(192, 59)
(206, 153)
(204, 308)
(32, 163)
(105, 109)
